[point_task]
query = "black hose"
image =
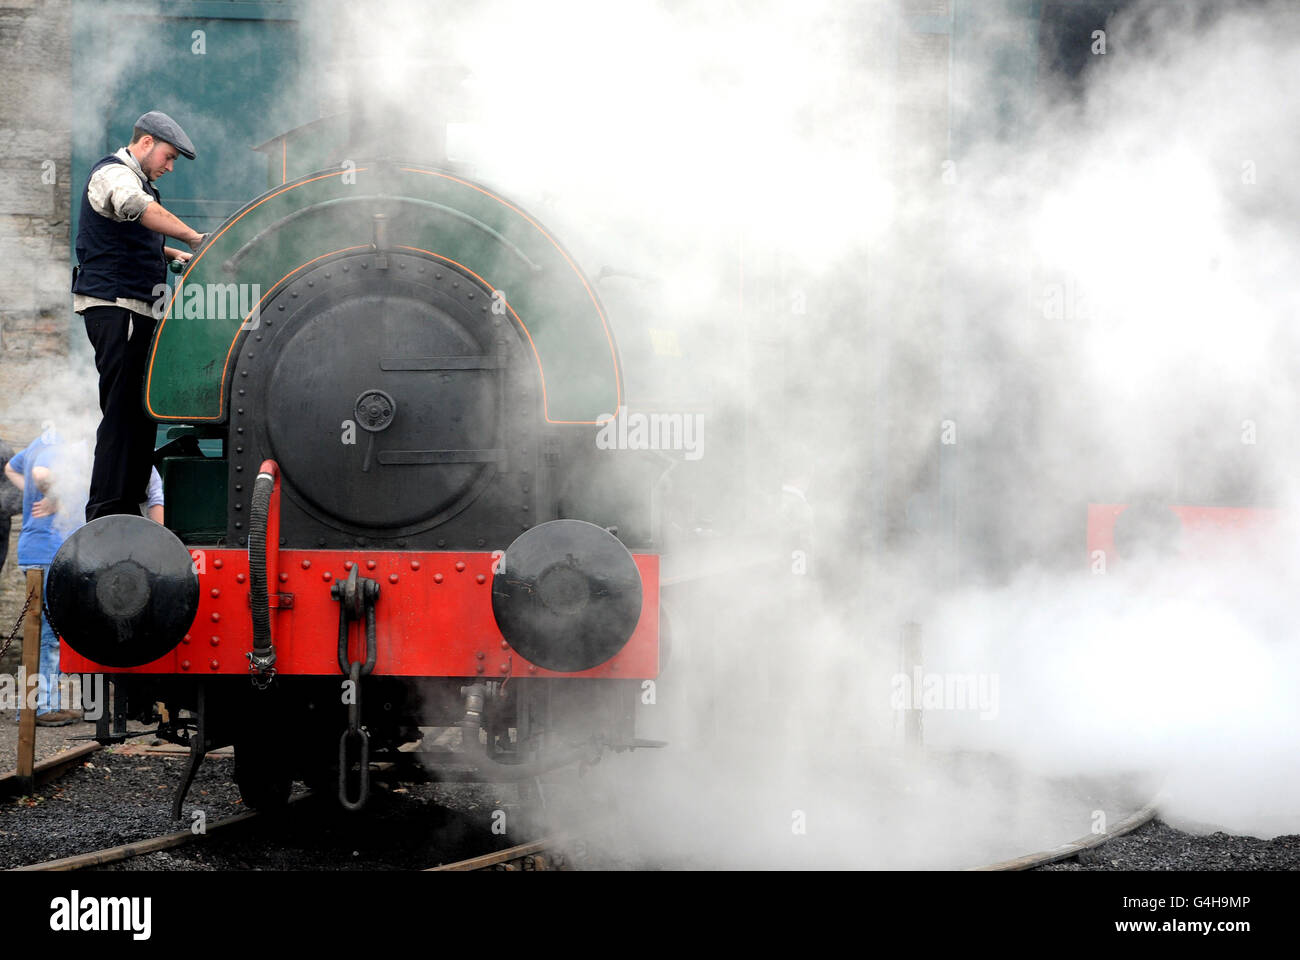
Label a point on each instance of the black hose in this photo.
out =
(258, 596)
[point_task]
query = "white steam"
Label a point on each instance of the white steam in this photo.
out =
(1096, 297)
(1111, 319)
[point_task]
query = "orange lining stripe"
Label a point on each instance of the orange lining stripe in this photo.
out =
(613, 354)
(536, 356)
(153, 352)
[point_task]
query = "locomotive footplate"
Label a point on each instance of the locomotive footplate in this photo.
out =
(436, 619)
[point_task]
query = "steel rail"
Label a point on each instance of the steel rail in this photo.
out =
(1075, 847)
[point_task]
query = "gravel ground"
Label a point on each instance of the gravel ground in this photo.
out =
(49, 740)
(108, 800)
(1158, 846)
(114, 799)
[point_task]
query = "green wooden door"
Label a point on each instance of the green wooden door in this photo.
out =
(229, 71)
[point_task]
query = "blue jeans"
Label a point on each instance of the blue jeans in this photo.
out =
(47, 685)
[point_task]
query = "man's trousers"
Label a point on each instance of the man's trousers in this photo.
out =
(124, 443)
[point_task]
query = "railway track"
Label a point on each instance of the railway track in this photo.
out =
(127, 851)
(1074, 847)
(545, 855)
(51, 768)
(532, 856)
(535, 855)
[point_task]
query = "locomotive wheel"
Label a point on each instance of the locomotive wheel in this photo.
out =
(259, 774)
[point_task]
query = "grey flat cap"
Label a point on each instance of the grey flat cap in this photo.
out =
(162, 127)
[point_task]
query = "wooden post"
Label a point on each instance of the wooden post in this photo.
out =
(31, 667)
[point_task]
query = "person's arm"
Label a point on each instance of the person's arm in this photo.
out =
(171, 253)
(115, 192)
(47, 505)
(15, 476)
(159, 219)
(154, 496)
(11, 497)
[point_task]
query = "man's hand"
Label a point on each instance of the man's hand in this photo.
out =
(171, 253)
(47, 506)
(196, 241)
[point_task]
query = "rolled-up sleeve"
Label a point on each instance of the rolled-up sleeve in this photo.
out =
(115, 192)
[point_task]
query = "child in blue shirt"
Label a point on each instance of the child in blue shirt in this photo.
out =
(43, 466)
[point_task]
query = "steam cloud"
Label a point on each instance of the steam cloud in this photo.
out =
(1093, 297)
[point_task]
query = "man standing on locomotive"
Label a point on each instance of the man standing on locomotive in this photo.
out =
(122, 268)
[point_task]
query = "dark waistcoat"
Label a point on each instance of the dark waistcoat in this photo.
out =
(117, 259)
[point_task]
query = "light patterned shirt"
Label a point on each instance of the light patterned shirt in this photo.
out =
(154, 495)
(116, 191)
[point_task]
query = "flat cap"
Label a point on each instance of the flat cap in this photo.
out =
(162, 127)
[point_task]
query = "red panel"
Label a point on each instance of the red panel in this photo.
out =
(1203, 527)
(1101, 527)
(433, 619)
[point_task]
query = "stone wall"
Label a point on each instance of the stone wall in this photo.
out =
(36, 316)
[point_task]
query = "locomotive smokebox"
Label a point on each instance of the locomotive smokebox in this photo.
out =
(567, 595)
(122, 591)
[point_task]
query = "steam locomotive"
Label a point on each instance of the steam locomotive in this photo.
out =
(385, 506)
